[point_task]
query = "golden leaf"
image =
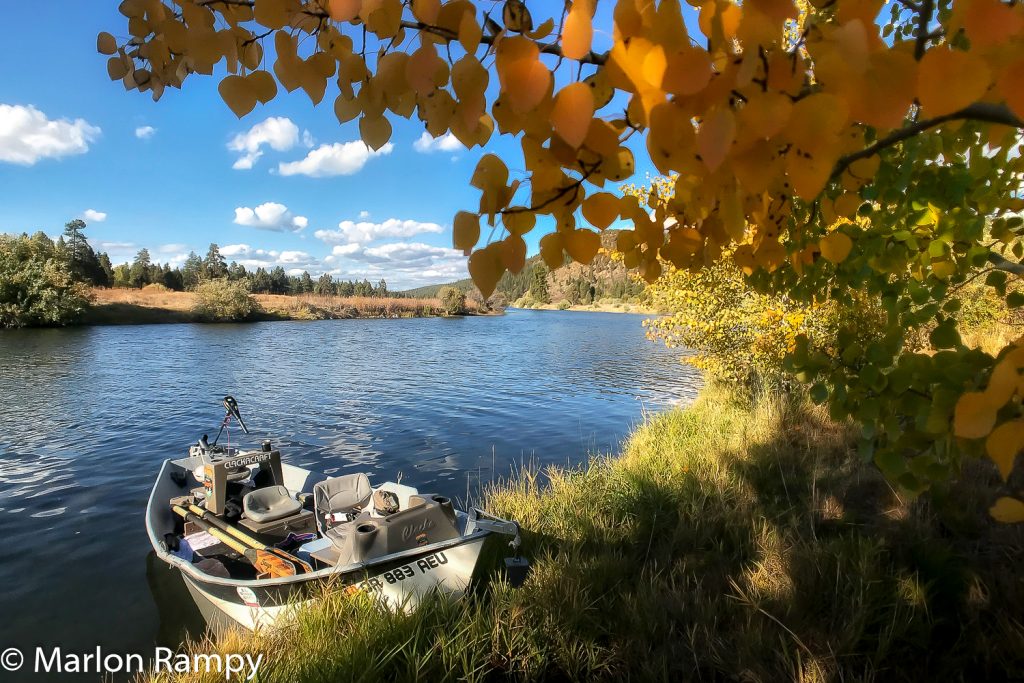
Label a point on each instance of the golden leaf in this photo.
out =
(1003, 445)
(990, 22)
(1007, 510)
(513, 253)
(948, 80)
(519, 222)
(516, 16)
(237, 94)
(551, 250)
(106, 44)
(974, 415)
(579, 30)
(262, 85)
(715, 136)
(836, 246)
(1011, 86)
(426, 11)
(572, 112)
(524, 79)
(465, 230)
(486, 268)
(687, 71)
(601, 209)
(375, 131)
(470, 33)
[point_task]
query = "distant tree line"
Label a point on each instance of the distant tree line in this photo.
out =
(196, 270)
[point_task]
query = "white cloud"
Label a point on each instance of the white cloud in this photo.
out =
(365, 231)
(171, 248)
(364, 214)
(277, 132)
(27, 135)
(94, 216)
(402, 264)
(307, 139)
(270, 216)
(144, 132)
(446, 143)
(252, 258)
(341, 158)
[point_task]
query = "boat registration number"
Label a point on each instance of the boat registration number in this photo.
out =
(404, 573)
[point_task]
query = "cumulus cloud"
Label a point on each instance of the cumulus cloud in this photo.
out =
(364, 214)
(446, 143)
(144, 132)
(277, 132)
(341, 158)
(94, 216)
(402, 264)
(292, 261)
(366, 231)
(270, 216)
(27, 135)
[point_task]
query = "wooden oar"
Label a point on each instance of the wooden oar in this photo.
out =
(266, 563)
(246, 538)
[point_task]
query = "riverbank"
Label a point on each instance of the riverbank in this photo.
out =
(142, 306)
(727, 541)
(615, 307)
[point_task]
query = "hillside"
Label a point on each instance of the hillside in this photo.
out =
(604, 279)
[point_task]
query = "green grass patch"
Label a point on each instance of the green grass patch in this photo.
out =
(729, 540)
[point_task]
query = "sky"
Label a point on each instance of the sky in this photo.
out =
(286, 185)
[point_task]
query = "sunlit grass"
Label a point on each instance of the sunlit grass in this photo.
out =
(728, 541)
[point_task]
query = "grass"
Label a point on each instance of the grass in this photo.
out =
(728, 541)
(156, 305)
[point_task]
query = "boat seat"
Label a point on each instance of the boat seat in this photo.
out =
(340, 495)
(269, 504)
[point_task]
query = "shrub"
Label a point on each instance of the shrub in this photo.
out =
(156, 287)
(453, 300)
(221, 300)
(563, 305)
(37, 287)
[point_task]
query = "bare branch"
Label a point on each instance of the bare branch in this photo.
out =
(924, 17)
(979, 111)
(1005, 264)
(591, 58)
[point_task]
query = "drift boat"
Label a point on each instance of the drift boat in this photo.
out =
(254, 537)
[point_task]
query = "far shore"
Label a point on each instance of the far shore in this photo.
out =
(605, 307)
(142, 307)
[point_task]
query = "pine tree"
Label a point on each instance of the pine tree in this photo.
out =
(214, 265)
(139, 275)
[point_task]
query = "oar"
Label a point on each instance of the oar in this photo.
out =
(246, 538)
(265, 562)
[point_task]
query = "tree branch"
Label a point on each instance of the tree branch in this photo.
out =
(979, 111)
(1004, 264)
(590, 58)
(924, 17)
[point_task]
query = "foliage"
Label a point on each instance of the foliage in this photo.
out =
(730, 542)
(453, 300)
(783, 124)
(222, 300)
(37, 285)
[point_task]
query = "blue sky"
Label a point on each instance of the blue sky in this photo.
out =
(285, 185)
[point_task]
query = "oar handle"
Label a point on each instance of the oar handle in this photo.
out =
(246, 538)
(265, 562)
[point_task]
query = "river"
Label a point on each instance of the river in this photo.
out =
(88, 414)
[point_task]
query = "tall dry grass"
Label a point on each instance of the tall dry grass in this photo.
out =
(729, 541)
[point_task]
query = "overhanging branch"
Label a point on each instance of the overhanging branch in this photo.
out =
(1005, 264)
(979, 111)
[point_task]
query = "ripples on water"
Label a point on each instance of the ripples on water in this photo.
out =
(88, 414)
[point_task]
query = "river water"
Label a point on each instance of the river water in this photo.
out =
(88, 414)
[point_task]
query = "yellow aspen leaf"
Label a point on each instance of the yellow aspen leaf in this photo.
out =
(513, 253)
(687, 71)
(974, 415)
(116, 68)
(375, 131)
(490, 172)
(836, 246)
(237, 94)
(1006, 378)
(572, 113)
(518, 222)
(551, 250)
(1007, 510)
(582, 245)
(106, 44)
(542, 31)
(715, 136)
(744, 258)
(766, 113)
(525, 81)
(1003, 445)
(990, 22)
(601, 209)
(485, 267)
(1011, 86)
(421, 69)
(516, 16)
(262, 85)
(847, 204)
(346, 109)
(470, 33)
(275, 14)
(426, 11)
(465, 230)
(651, 270)
(579, 30)
(948, 80)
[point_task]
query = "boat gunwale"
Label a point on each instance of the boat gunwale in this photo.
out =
(325, 573)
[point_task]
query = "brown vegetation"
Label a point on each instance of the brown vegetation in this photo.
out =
(134, 306)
